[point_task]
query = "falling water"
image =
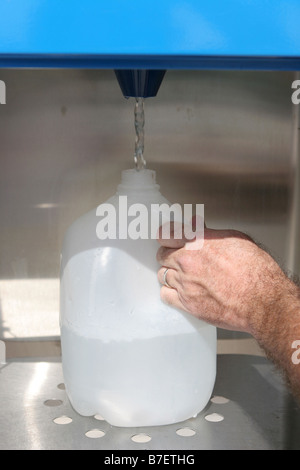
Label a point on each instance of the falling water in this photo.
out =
(139, 122)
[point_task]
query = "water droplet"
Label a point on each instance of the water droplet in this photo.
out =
(214, 418)
(219, 400)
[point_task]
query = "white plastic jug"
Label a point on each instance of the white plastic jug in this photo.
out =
(126, 355)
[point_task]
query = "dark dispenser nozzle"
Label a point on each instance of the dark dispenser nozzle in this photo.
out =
(140, 83)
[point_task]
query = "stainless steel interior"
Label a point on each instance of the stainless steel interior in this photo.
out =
(225, 139)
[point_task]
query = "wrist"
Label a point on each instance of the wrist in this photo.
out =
(279, 324)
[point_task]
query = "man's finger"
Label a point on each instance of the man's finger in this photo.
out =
(170, 297)
(171, 235)
(167, 257)
(169, 276)
(177, 235)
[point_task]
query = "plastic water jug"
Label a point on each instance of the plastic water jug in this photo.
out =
(126, 355)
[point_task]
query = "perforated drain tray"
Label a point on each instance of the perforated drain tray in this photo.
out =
(250, 409)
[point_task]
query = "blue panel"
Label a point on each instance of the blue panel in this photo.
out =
(130, 33)
(180, 62)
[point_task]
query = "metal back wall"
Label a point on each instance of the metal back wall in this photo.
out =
(215, 137)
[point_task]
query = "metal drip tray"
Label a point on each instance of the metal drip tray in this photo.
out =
(250, 409)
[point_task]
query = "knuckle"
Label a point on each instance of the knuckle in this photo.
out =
(185, 262)
(240, 235)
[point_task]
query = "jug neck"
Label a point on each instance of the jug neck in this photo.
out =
(137, 181)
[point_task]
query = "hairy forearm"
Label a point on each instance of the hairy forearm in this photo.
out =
(279, 333)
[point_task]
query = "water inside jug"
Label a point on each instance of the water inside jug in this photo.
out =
(127, 355)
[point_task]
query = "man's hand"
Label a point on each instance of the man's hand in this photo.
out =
(226, 282)
(234, 284)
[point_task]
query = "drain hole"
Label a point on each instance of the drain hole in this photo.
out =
(62, 420)
(219, 400)
(185, 432)
(214, 418)
(61, 386)
(99, 417)
(53, 402)
(95, 433)
(141, 438)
